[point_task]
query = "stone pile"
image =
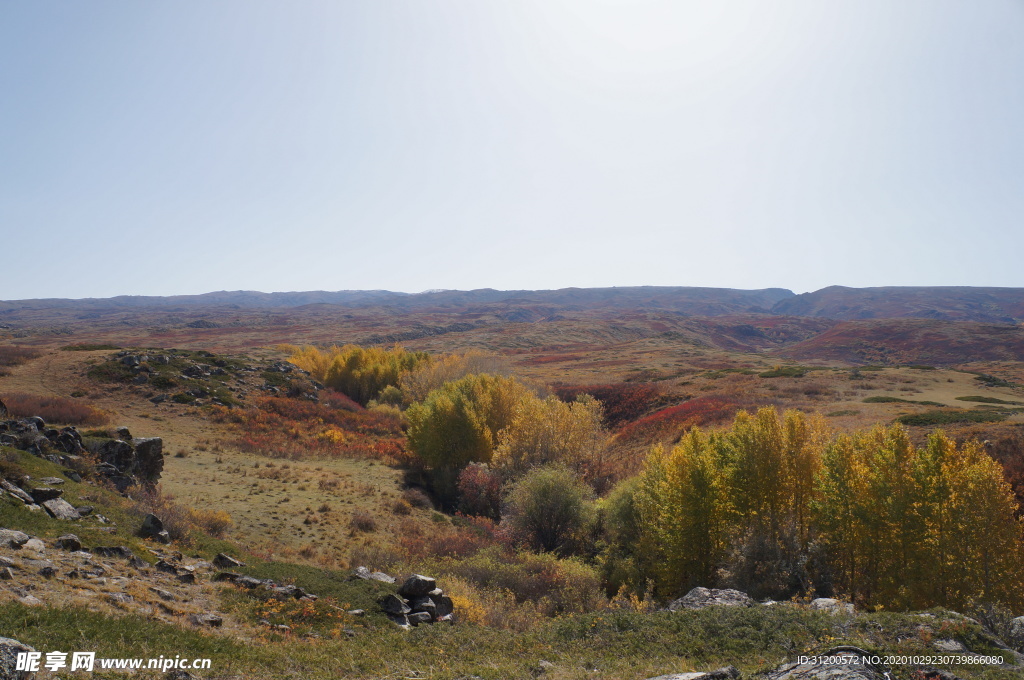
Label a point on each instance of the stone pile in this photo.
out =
(418, 600)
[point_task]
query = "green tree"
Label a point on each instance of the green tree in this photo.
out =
(551, 508)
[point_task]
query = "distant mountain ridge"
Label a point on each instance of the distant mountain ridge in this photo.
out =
(948, 303)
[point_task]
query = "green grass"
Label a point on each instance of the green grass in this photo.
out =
(785, 372)
(621, 644)
(932, 418)
(883, 399)
(989, 400)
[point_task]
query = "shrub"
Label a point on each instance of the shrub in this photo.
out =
(181, 520)
(479, 489)
(53, 409)
(669, 421)
(363, 521)
(361, 373)
(550, 508)
(622, 402)
(932, 418)
(13, 355)
(785, 372)
(989, 400)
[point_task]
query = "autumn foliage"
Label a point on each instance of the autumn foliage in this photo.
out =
(53, 409)
(622, 402)
(779, 506)
(360, 372)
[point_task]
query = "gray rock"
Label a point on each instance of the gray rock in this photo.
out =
(123, 433)
(699, 598)
(392, 604)
(726, 673)
(416, 618)
(68, 542)
(222, 561)
(832, 605)
(153, 528)
(1017, 629)
(442, 605)
(400, 620)
(210, 620)
(856, 666)
(47, 572)
(6, 574)
(58, 508)
(12, 538)
(9, 650)
(949, 646)
(112, 551)
(30, 601)
(51, 481)
(417, 585)
(45, 493)
(84, 510)
(120, 598)
(356, 612)
(16, 492)
(149, 458)
(423, 604)
(163, 594)
(35, 545)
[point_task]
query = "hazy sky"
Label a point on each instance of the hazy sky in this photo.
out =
(183, 147)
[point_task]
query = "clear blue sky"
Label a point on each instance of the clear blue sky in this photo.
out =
(183, 147)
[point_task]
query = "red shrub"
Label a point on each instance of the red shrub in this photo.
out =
(53, 409)
(468, 536)
(479, 490)
(623, 402)
(674, 419)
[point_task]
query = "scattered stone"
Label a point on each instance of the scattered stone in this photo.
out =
(113, 551)
(188, 577)
(13, 538)
(123, 433)
(417, 585)
(51, 481)
(832, 605)
(9, 648)
(137, 563)
(73, 476)
(16, 492)
(163, 594)
(6, 574)
(84, 510)
(35, 545)
(45, 493)
(423, 604)
(949, 646)
(58, 508)
(356, 612)
(394, 605)
(443, 605)
(120, 598)
(30, 601)
(400, 620)
(47, 572)
(166, 567)
(416, 618)
(153, 528)
(222, 561)
(726, 673)
(68, 542)
(211, 620)
(699, 598)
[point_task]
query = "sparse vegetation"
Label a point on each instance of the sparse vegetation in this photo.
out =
(53, 409)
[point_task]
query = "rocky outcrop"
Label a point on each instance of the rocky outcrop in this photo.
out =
(9, 650)
(417, 601)
(831, 605)
(699, 598)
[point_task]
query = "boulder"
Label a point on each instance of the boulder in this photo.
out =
(1017, 629)
(209, 620)
(699, 598)
(120, 598)
(442, 605)
(9, 650)
(11, 538)
(726, 673)
(119, 454)
(112, 551)
(832, 605)
(423, 604)
(417, 585)
(153, 528)
(393, 605)
(16, 492)
(35, 545)
(123, 433)
(68, 542)
(58, 508)
(45, 493)
(416, 618)
(222, 561)
(51, 481)
(855, 664)
(149, 459)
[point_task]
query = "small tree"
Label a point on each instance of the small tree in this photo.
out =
(551, 508)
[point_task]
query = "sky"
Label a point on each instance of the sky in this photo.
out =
(164, 148)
